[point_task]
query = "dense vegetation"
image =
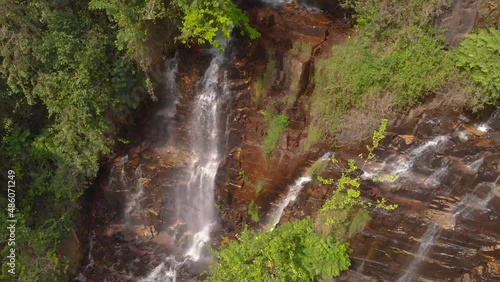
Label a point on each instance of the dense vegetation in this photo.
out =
(395, 60)
(293, 252)
(71, 73)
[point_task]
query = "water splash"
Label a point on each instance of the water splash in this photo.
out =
(307, 5)
(487, 126)
(475, 165)
(436, 177)
(430, 145)
(164, 272)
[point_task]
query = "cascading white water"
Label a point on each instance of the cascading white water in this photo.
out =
(133, 207)
(171, 87)
(400, 165)
(164, 120)
(308, 5)
(426, 242)
(293, 192)
(80, 277)
(291, 196)
(165, 272)
(473, 202)
(194, 201)
(468, 204)
(205, 138)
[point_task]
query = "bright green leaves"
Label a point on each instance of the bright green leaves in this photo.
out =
(378, 135)
(292, 252)
(203, 21)
(197, 22)
(479, 57)
(346, 207)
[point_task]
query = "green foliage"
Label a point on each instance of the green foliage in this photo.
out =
(204, 20)
(253, 211)
(135, 22)
(196, 21)
(62, 80)
(345, 212)
(292, 252)
(479, 58)
(342, 223)
(408, 69)
(276, 124)
(382, 19)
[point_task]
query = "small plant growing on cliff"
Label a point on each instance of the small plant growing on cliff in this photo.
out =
(276, 125)
(345, 212)
(259, 187)
(253, 211)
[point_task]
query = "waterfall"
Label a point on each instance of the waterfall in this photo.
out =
(291, 196)
(133, 207)
(469, 203)
(426, 242)
(205, 137)
(194, 201)
(293, 192)
(400, 165)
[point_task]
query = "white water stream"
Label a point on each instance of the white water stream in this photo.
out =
(293, 192)
(194, 202)
(465, 206)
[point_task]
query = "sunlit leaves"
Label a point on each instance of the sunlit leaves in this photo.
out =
(347, 197)
(203, 21)
(292, 252)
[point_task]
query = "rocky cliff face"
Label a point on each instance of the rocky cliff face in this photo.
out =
(283, 56)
